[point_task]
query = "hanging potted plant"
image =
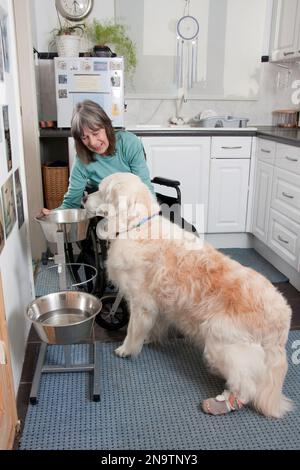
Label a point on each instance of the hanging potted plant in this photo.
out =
(104, 35)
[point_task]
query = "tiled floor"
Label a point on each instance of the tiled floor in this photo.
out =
(291, 294)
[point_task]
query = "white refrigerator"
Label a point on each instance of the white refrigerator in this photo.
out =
(100, 79)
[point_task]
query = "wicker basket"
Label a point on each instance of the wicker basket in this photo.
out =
(55, 181)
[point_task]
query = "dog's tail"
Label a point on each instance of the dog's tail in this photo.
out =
(269, 399)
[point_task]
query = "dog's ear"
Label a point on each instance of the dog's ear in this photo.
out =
(103, 230)
(92, 203)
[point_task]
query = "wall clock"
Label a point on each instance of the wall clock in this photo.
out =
(74, 10)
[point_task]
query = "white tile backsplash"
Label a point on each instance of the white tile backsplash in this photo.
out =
(275, 93)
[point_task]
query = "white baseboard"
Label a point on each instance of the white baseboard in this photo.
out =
(230, 240)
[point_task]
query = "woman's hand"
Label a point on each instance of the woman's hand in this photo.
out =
(44, 212)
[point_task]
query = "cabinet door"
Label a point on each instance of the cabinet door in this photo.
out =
(228, 195)
(285, 30)
(262, 198)
(185, 159)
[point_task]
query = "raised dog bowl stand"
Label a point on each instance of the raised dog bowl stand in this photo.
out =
(66, 367)
(65, 317)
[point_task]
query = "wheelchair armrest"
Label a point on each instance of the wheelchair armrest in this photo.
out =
(165, 182)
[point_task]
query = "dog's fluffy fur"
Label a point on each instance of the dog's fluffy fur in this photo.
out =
(235, 313)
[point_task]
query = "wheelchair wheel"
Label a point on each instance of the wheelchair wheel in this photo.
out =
(110, 321)
(92, 253)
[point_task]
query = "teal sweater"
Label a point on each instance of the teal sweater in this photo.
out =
(128, 158)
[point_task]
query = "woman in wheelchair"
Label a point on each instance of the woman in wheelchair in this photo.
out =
(101, 151)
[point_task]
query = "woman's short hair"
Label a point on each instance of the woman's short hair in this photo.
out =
(89, 115)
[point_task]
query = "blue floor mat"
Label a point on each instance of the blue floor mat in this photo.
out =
(151, 402)
(249, 257)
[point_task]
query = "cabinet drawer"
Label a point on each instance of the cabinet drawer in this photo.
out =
(231, 147)
(286, 194)
(284, 237)
(266, 151)
(288, 158)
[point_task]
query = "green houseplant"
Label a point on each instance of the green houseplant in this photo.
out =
(109, 33)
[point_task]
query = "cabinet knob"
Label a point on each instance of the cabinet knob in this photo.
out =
(232, 148)
(282, 240)
(288, 53)
(265, 151)
(287, 195)
(290, 159)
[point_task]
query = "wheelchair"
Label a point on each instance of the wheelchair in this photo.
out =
(114, 314)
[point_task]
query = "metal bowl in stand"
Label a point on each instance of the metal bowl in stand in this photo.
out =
(64, 317)
(72, 222)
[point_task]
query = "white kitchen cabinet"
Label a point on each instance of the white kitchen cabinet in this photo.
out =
(262, 199)
(228, 195)
(185, 159)
(284, 223)
(284, 41)
(276, 211)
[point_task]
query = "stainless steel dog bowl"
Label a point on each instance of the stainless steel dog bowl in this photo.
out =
(64, 317)
(73, 222)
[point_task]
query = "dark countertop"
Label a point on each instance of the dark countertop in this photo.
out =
(284, 136)
(279, 134)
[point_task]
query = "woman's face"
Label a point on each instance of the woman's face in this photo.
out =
(96, 141)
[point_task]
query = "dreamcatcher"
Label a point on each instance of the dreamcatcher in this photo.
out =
(187, 49)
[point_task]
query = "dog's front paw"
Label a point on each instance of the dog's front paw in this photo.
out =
(121, 351)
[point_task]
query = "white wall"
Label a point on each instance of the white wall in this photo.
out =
(15, 258)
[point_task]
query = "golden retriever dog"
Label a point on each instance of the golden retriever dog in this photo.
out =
(170, 277)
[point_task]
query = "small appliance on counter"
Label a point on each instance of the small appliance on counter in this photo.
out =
(285, 118)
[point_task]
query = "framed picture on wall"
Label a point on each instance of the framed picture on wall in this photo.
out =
(2, 239)
(9, 208)
(19, 198)
(4, 40)
(1, 126)
(7, 137)
(1, 63)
